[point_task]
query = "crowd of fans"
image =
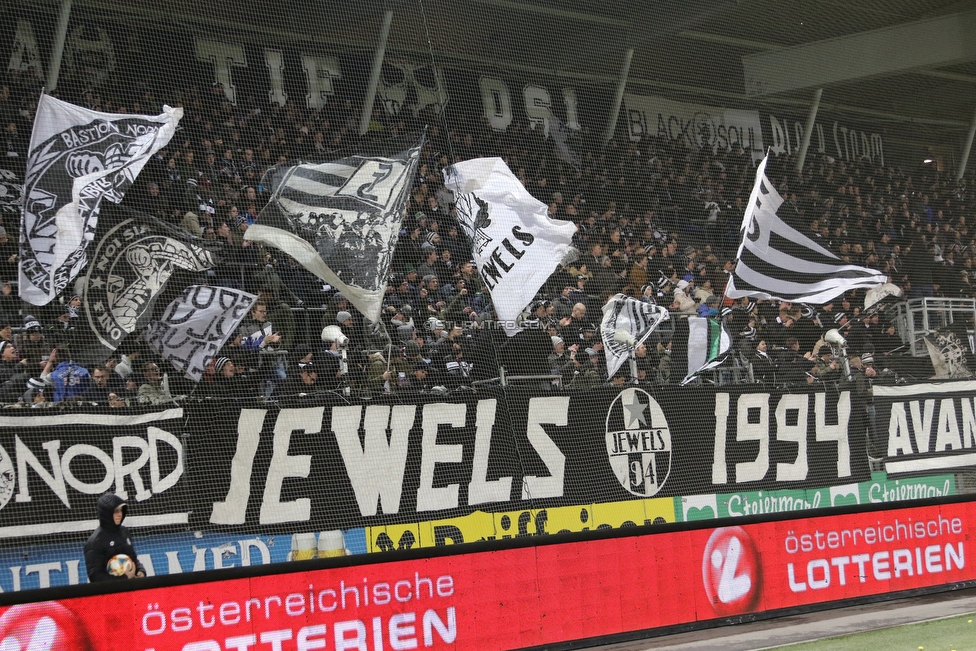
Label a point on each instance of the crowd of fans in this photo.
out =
(656, 221)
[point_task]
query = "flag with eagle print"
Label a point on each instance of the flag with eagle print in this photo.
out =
(516, 245)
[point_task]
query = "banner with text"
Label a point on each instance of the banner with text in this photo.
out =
(54, 466)
(929, 428)
(839, 139)
(561, 592)
(318, 464)
(336, 466)
(46, 564)
(325, 464)
(693, 125)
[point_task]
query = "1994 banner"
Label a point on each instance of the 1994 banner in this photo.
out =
(327, 464)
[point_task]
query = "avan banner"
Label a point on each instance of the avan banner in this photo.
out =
(583, 590)
(928, 427)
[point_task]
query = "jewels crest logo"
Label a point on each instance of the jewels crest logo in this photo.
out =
(638, 442)
(46, 626)
(731, 572)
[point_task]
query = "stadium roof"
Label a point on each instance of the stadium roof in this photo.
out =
(695, 47)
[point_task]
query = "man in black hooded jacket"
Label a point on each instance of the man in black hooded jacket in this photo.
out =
(110, 539)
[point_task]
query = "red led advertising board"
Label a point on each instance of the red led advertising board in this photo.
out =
(522, 597)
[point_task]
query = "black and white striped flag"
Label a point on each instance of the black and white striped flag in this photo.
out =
(777, 261)
(626, 324)
(340, 220)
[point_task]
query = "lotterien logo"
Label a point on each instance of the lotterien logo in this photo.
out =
(46, 626)
(638, 442)
(731, 571)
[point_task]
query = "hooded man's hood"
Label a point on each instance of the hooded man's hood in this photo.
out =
(106, 509)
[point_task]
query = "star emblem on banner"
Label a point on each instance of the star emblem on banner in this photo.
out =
(634, 412)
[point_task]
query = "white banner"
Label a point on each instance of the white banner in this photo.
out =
(516, 245)
(77, 158)
(695, 125)
(837, 140)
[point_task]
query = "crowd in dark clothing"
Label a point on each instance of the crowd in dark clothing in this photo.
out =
(655, 221)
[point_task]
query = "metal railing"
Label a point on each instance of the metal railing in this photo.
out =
(919, 317)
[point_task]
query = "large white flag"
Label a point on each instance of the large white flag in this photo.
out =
(340, 220)
(196, 325)
(516, 245)
(776, 260)
(635, 321)
(77, 158)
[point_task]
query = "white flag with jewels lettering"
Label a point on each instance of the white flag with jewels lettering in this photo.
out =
(77, 158)
(516, 245)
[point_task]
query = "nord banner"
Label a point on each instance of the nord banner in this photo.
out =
(54, 466)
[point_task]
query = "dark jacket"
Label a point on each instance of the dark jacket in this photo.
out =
(108, 540)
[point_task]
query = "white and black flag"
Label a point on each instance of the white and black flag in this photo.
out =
(130, 268)
(11, 194)
(948, 354)
(777, 261)
(516, 245)
(340, 220)
(77, 158)
(196, 325)
(562, 135)
(636, 319)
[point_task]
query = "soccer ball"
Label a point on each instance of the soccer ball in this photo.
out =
(120, 565)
